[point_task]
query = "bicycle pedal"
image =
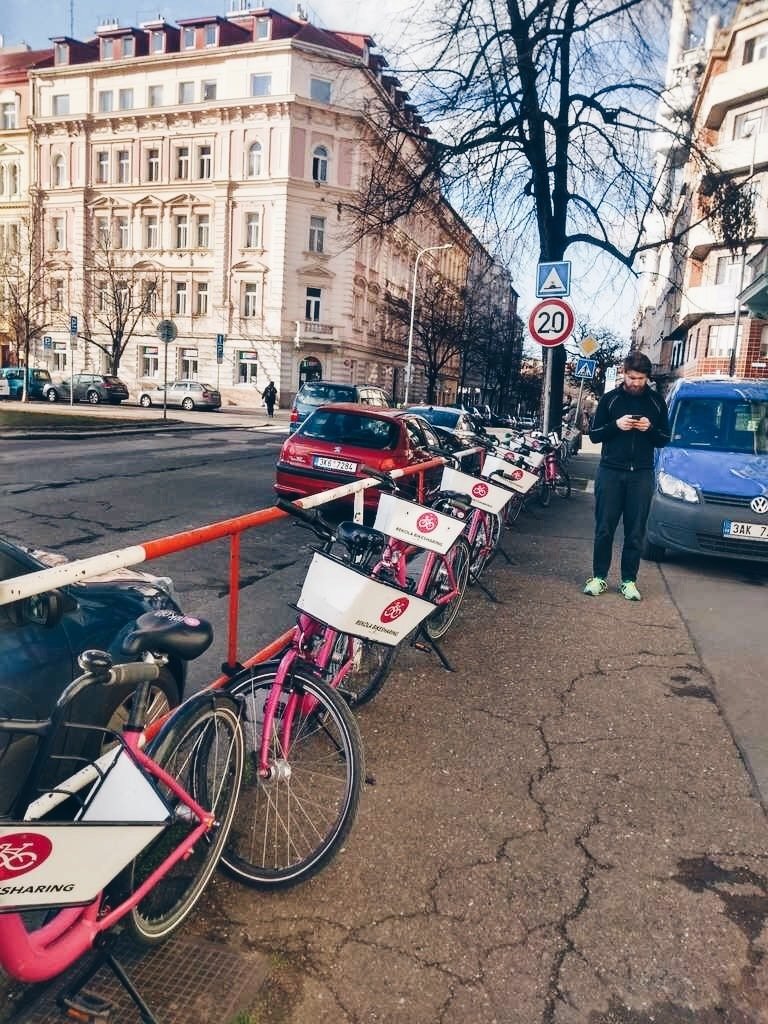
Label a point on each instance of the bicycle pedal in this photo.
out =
(87, 1007)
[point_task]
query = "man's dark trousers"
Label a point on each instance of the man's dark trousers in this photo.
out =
(621, 492)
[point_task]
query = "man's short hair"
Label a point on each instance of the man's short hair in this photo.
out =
(638, 362)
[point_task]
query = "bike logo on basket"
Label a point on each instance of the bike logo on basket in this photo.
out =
(21, 852)
(479, 490)
(427, 522)
(516, 474)
(394, 609)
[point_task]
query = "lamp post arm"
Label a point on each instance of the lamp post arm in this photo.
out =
(409, 360)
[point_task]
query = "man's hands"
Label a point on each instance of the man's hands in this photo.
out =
(632, 423)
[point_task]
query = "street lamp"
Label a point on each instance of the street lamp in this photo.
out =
(732, 361)
(409, 364)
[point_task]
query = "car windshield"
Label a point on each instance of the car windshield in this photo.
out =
(319, 394)
(440, 417)
(348, 428)
(721, 424)
(40, 375)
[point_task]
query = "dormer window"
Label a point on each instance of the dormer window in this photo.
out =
(188, 40)
(107, 49)
(210, 35)
(129, 46)
(61, 53)
(157, 42)
(263, 28)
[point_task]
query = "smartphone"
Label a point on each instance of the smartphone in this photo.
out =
(635, 417)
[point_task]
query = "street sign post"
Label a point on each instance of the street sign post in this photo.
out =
(72, 343)
(166, 332)
(553, 280)
(551, 322)
(585, 368)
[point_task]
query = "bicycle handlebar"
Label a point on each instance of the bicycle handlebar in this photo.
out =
(308, 517)
(133, 673)
(376, 474)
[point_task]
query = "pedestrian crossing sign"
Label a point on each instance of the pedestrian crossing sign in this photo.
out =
(585, 368)
(553, 280)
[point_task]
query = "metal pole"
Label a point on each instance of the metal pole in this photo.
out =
(165, 381)
(737, 316)
(71, 368)
(547, 391)
(409, 362)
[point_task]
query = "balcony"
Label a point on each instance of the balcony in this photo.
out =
(736, 87)
(705, 300)
(736, 156)
(312, 332)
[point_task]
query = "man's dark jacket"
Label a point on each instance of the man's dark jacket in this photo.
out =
(629, 449)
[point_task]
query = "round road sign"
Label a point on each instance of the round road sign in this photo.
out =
(166, 331)
(551, 322)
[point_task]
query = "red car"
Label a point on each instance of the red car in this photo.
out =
(332, 445)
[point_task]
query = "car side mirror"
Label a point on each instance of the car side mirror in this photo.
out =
(41, 610)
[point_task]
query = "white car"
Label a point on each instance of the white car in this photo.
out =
(185, 394)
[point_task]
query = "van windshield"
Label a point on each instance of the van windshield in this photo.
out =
(721, 424)
(320, 393)
(40, 375)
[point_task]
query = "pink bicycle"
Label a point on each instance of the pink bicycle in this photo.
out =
(133, 836)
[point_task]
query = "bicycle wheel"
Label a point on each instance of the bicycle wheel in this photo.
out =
(203, 748)
(544, 492)
(290, 825)
(562, 484)
(371, 664)
(439, 622)
(484, 545)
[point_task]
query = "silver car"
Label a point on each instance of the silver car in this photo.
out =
(186, 394)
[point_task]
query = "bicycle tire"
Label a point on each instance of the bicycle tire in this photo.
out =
(483, 548)
(372, 664)
(440, 621)
(544, 493)
(290, 826)
(562, 484)
(203, 748)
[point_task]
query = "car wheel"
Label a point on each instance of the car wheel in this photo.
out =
(145, 401)
(51, 396)
(188, 404)
(654, 552)
(163, 695)
(93, 397)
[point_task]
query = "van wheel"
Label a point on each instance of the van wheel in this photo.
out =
(654, 552)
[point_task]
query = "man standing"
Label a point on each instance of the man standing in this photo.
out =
(629, 422)
(269, 394)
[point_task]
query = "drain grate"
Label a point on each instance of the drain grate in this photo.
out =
(181, 981)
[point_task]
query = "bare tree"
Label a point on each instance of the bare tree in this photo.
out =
(611, 352)
(117, 297)
(24, 308)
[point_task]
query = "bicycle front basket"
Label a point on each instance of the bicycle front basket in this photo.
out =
(353, 603)
(416, 524)
(483, 495)
(514, 477)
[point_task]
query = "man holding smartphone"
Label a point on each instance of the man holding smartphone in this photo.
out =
(630, 422)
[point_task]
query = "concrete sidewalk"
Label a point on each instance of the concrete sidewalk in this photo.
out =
(559, 831)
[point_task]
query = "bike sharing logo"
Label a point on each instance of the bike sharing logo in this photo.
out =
(516, 474)
(394, 609)
(480, 490)
(21, 852)
(427, 522)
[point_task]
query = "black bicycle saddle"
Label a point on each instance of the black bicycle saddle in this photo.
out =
(168, 632)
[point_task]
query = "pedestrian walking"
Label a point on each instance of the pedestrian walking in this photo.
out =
(269, 394)
(630, 422)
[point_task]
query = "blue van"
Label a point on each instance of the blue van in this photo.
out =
(711, 493)
(37, 381)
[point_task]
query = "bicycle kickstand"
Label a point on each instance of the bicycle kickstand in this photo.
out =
(486, 590)
(428, 644)
(78, 1003)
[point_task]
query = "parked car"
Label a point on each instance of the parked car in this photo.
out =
(711, 494)
(333, 444)
(185, 394)
(321, 392)
(40, 639)
(13, 378)
(463, 425)
(89, 387)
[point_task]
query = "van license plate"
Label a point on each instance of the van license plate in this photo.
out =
(745, 531)
(340, 464)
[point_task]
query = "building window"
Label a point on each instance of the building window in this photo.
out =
(8, 115)
(320, 164)
(204, 162)
(57, 175)
(102, 231)
(320, 90)
(250, 300)
(153, 165)
(201, 299)
(150, 361)
(752, 122)
(207, 92)
(59, 356)
(181, 226)
(728, 270)
(720, 340)
(188, 39)
(247, 367)
(262, 28)
(261, 85)
(756, 49)
(155, 96)
(209, 35)
(203, 231)
(316, 234)
(186, 92)
(106, 101)
(57, 240)
(149, 297)
(107, 49)
(102, 167)
(312, 306)
(151, 235)
(157, 42)
(254, 160)
(102, 296)
(122, 232)
(123, 166)
(763, 354)
(60, 104)
(180, 298)
(125, 99)
(129, 46)
(182, 162)
(61, 53)
(188, 364)
(57, 294)
(252, 231)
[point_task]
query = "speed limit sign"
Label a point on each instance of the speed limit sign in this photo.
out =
(551, 322)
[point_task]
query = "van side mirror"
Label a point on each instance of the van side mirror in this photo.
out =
(41, 610)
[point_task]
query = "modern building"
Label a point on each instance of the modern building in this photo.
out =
(691, 320)
(206, 173)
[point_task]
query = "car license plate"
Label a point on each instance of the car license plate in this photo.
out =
(323, 462)
(745, 531)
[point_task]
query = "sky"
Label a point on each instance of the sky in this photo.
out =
(603, 293)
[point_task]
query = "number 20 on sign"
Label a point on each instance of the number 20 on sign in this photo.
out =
(551, 322)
